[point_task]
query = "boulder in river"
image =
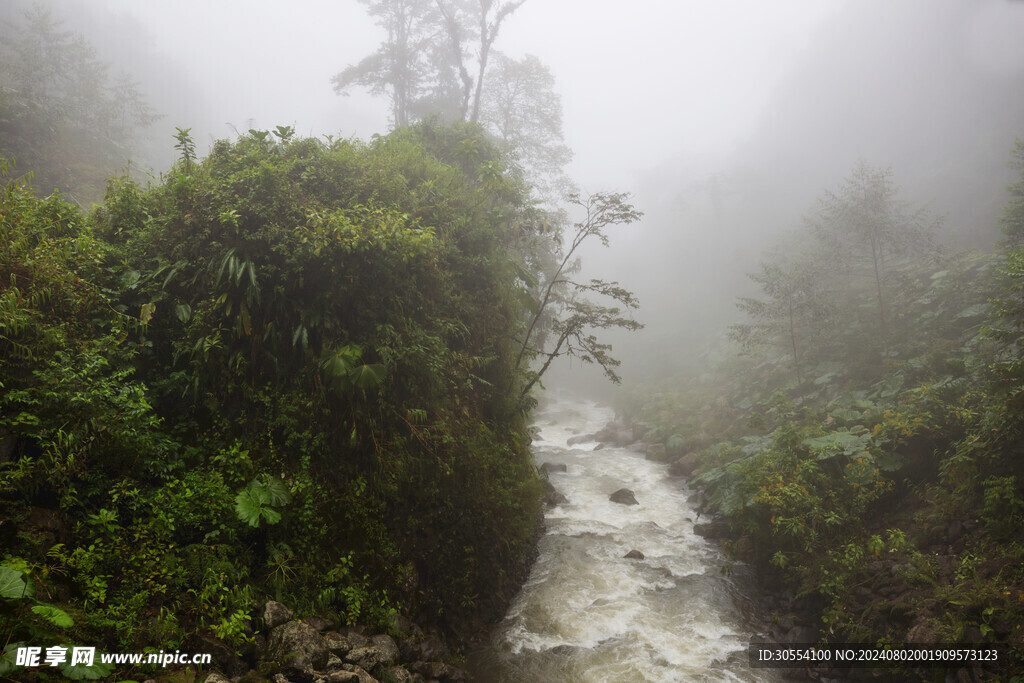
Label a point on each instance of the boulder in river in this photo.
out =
(553, 496)
(716, 528)
(684, 466)
(623, 497)
(655, 451)
(582, 438)
(554, 467)
(615, 435)
(634, 555)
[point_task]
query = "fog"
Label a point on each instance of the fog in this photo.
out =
(724, 119)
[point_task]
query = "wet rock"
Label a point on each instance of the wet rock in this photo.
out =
(280, 678)
(554, 467)
(275, 614)
(623, 497)
(355, 636)
(387, 648)
(365, 657)
(362, 675)
(337, 644)
(298, 645)
(215, 677)
(715, 529)
(319, 624)
(399, 674)
(423, 649)
(655, 451)
(406, 626)
(634, 555)
(439, 671)
(342, 677)
(600, 447)
(615, 435)
(582, 438)
(684, 466)
(552, 496)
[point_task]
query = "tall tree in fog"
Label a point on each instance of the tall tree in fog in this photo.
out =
(434, 58)
(57, 73)
(794, 311)
(407, 65)
(521, 107)
(867, 229)
(1013, 212)
(438, 59)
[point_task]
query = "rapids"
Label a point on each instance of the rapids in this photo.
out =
(587, 613)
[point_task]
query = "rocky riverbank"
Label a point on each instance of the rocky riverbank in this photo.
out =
(284, 649)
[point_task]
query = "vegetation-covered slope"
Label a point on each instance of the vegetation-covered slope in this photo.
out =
(287, 370)
(865, 449)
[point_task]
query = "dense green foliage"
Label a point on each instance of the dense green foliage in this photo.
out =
(866, 446)
(287, 370)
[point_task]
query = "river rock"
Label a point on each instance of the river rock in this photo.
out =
(362, 675)
(299, 645)
(655, 451)
(386, 647)
(439, 671)
(399, 674)
(623, 497)
(423, 649)
(615, 435)
(338, 644)
(318, 623)
(215, 677)
(342, 677)
(554, 467)
(715, 529)
(552, 496)
(275, 614)
(634, 555)
(684, 466)
(582, 438)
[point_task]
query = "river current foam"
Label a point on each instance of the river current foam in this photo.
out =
(587, 613)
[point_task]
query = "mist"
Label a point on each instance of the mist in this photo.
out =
(548, 339)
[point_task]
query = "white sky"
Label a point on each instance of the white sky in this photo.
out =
(640, 81)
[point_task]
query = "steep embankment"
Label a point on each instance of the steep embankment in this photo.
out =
(864, 451)
(284, 371)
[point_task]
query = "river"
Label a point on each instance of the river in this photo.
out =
(587, 613)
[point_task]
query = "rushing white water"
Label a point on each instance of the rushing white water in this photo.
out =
(589, 614)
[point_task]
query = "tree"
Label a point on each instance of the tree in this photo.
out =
(562, 311)
(1013, 212)
(522, 108)
(60, 117)
(794, 312)
(487, 17)
(867, 229)
(408, 65)
(435, 58)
